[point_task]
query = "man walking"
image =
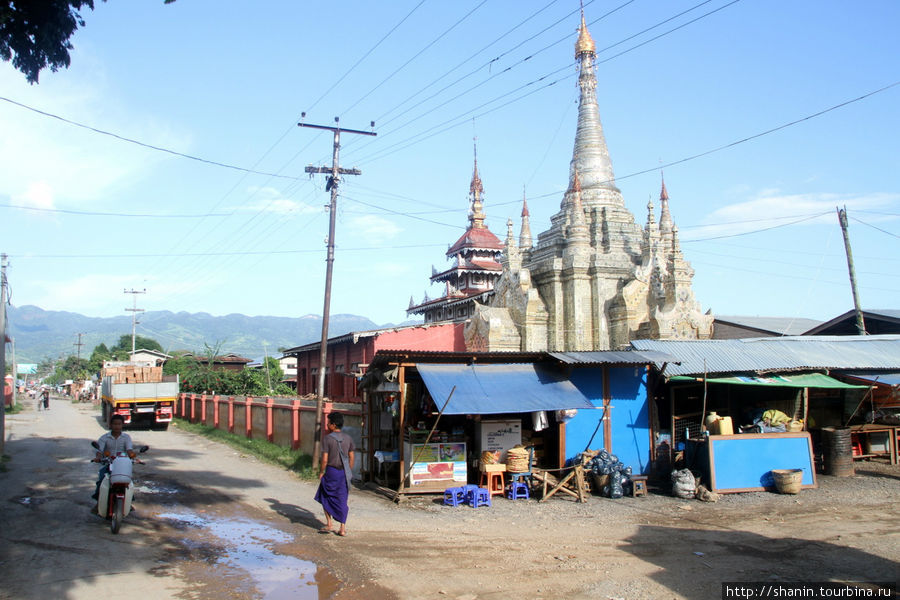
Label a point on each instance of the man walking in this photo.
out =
(335, 474)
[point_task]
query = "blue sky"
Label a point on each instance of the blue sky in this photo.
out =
(228, 83)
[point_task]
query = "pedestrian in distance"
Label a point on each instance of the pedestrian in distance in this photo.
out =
(335, 474)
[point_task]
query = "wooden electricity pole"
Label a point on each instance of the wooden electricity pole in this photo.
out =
(334, 176)
(860, 323)
(3, 354)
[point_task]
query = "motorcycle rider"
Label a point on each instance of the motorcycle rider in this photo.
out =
(111, 444)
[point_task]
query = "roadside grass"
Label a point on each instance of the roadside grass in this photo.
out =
(4, 458)
(292, 460)
(15, 409)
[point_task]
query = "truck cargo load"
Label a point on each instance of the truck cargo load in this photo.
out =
(140, 393)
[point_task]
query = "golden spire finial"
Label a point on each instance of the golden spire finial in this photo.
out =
(475, 187)
(585, 43)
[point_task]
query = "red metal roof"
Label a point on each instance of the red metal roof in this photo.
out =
(476, 238)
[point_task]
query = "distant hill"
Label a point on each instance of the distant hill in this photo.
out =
(41, 334)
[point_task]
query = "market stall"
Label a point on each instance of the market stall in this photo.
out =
(437, 418)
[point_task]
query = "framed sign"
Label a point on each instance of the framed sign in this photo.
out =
(744, 463)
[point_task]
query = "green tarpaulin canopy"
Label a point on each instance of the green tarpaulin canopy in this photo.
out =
(801, 380)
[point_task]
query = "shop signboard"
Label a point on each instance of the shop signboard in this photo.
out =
(440, 464)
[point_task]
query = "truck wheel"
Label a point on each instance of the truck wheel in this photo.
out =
(118, 515)
(103, 411)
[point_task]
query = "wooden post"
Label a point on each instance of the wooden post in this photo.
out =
(231, 414)
(607, 415)
(193, 420)
(295, 425)
(216, 412)
(270, 432)
(401, 381)
(203, 409)
(248, 417)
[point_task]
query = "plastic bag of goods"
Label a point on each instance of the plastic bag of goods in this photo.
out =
(683, 484)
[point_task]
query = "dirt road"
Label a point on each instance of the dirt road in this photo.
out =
(212, 523)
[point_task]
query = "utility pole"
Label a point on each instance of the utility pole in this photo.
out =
(78, 345)
(3, 352)
(15, 371)
(860, 323)
(134, 310)
(334, 177)
(266, 362)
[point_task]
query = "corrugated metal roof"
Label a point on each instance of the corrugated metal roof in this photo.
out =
(768, 354)
(498, 389)
(623, 357)
(882, 378)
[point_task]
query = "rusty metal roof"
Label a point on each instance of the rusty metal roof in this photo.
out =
(771, 354)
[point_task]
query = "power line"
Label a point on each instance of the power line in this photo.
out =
(416, 55)
(364, 56)
(142, 144)
(231, 253)
(874, 227)
(720, 237)
(111, 214)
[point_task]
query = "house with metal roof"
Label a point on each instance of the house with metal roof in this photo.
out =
(816, 381)
(877, 322)
(558, 403)
(728, 327)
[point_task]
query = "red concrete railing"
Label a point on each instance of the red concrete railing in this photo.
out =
(288, 422)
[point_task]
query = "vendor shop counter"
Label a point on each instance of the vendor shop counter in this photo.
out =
(865, 445)
(744, 462)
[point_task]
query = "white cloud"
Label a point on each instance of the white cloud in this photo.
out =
(38, 195)
(770, 208)
(372, 229)
(271, 200)
(72, 164)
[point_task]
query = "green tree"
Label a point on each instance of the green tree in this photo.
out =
(34, 34)
(100, 354)
(122, 348)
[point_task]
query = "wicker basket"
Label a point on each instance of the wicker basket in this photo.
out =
(489, 458)
(517, 460)
(788, 481)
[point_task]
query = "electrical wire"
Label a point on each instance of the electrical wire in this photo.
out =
(364, 56)
(415, 56)
(143, 144)
(877, 228)
(112, 214)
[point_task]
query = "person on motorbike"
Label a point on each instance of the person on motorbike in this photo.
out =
(45, 398)
(111, 444)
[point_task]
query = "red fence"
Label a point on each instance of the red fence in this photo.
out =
(288, 422)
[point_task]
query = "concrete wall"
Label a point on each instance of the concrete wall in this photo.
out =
(293, 421)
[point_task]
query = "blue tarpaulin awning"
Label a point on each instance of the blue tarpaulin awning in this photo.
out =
(496, 389)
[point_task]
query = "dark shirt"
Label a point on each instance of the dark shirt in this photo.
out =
(331, 448)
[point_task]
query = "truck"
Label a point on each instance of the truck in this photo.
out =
(140, 393)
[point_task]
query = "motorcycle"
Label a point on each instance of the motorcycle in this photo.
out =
(117, 488)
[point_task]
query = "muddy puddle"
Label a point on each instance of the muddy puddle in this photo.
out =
(247, 548)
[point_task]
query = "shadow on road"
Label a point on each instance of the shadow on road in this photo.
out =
(694, 563)
(296, 514)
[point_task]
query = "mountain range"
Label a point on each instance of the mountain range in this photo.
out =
(41, 334)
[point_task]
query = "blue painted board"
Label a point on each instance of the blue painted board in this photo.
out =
(743, 463)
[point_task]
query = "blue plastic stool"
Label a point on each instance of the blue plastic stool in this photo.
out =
(454, 496)
(479, 497)
(517, 490)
